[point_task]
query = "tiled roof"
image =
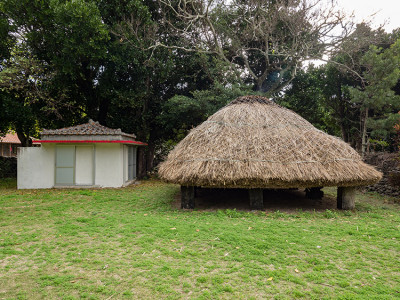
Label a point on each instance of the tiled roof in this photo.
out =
(91, 128)
(11, 138)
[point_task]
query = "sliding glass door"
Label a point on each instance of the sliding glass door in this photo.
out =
(74, 165)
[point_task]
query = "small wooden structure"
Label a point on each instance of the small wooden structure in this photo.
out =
(255, 144)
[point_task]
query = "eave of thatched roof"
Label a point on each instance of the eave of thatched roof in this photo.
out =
(254, 143)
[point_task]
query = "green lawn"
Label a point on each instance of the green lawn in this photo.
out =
(132, 243)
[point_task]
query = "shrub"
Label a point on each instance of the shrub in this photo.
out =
(397, 128)
(8, 167)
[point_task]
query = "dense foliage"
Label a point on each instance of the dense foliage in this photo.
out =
(157, 68)
(356, 95)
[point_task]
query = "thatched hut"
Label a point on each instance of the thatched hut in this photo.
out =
(254, 143)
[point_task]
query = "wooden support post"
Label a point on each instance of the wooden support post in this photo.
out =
(346, 197)
(187, 197)
(196, 191)
(314, 193)
(256, 198)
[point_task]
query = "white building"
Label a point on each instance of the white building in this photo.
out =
(87, 155)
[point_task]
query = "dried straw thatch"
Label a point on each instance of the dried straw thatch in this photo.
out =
(254, 143)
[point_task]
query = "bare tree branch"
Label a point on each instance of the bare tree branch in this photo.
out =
(260, 37)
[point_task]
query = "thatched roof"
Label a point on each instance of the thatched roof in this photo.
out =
(254, 143)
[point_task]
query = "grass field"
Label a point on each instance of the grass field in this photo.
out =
(132, 243)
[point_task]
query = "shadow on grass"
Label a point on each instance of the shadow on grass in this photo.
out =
(282, 200)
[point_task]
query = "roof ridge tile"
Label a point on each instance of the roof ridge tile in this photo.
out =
(90, 128)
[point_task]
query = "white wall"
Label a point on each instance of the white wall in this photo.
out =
(109, 170)
(125, 162)
(84, 168)
(35, 167)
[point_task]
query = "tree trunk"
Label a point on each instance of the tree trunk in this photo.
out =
(150, 156)
(364, 137)
(344, 132)
(24, 139)
(85, 86)
(342, 112)
(145, 160)
(142, 171)
(146, 157)
(259, 85)
(103, 110)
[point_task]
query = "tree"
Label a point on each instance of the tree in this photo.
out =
(335, 80)
(306, 96)
(27, 98)
(262, 42)
(70, 37)
(376, 95)
(396, 127)
(337, 100)
(99, 74)
(182, 113)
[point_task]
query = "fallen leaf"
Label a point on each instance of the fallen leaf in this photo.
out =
(145, 215)
(250, 228)
(269, 279)
(297, 271)
(173, 240)
(197, 230)
(173, 228)
(237, 247)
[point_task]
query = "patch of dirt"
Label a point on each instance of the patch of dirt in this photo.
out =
(288, 201)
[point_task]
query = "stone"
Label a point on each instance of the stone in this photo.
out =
(187, 197)
(346, 197)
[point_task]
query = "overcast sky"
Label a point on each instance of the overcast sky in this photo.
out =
(388, 10)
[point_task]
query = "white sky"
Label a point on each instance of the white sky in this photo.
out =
(386, 10)
(378, 11)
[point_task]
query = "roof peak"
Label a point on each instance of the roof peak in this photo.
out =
(251, 99)
(90, 128)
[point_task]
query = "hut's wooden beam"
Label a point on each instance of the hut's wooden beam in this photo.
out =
(346, 197)
(187, 197)
(256, 199)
